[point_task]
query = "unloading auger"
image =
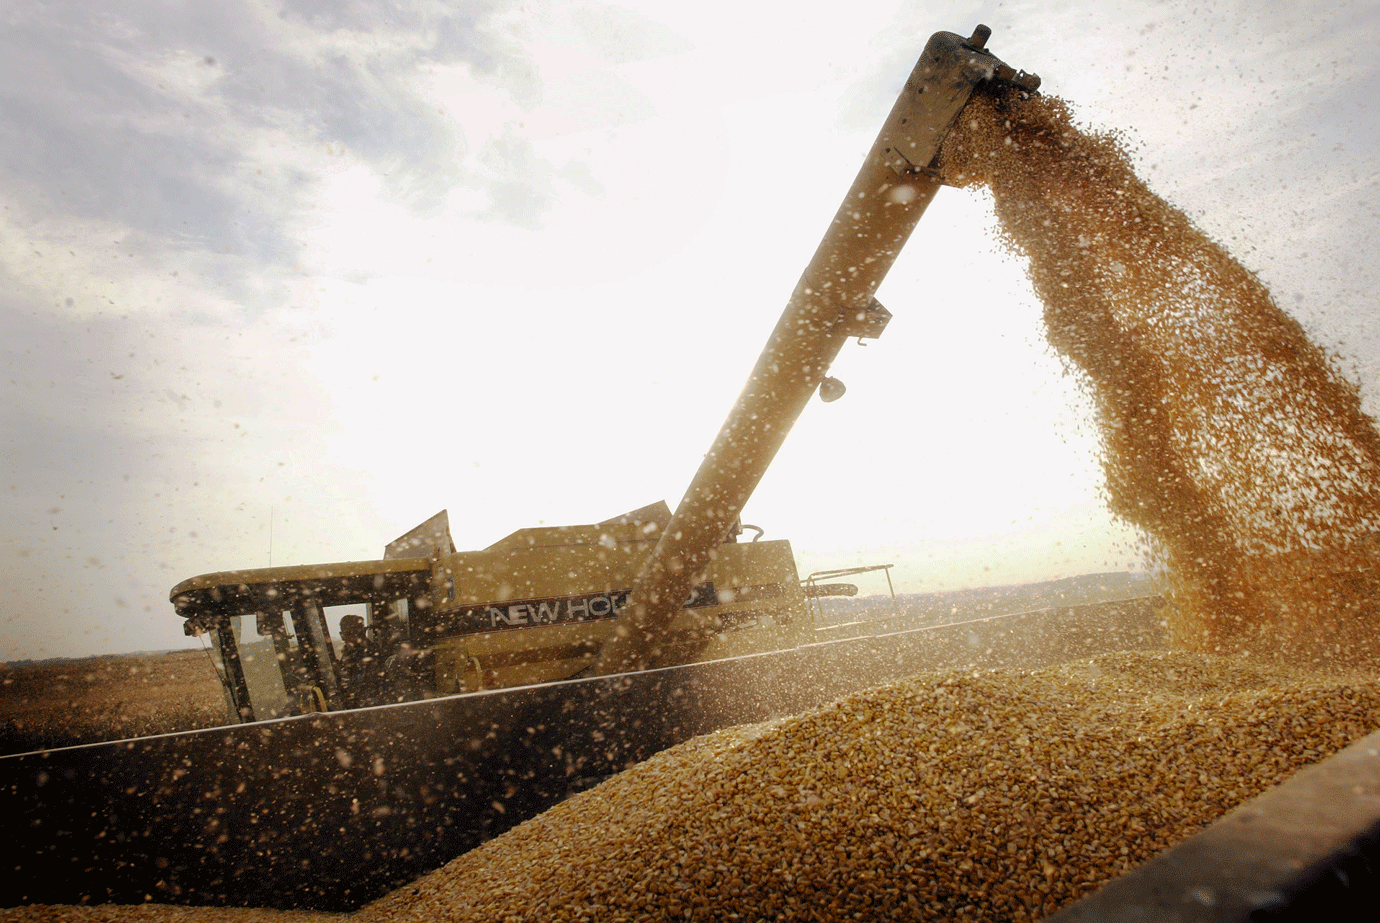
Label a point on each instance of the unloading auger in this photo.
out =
(834, 300)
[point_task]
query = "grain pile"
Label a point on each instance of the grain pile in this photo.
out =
(955, 796)
(1228, 437)
(991, 796)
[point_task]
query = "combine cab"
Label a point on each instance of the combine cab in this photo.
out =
(427, 620)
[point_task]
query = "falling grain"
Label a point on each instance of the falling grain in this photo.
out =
(1228, 437)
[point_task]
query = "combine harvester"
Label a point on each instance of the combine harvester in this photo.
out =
(499, 681)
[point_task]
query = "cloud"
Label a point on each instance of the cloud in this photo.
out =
(208, 128)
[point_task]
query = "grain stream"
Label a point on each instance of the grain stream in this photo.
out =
(1228, 437)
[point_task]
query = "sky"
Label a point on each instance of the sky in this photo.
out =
(280, 280)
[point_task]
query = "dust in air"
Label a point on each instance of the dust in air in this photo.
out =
(1228, 438)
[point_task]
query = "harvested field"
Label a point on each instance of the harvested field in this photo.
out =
(61, 703)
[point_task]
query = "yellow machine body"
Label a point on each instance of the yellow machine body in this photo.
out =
(534, 607)
(523, 619)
